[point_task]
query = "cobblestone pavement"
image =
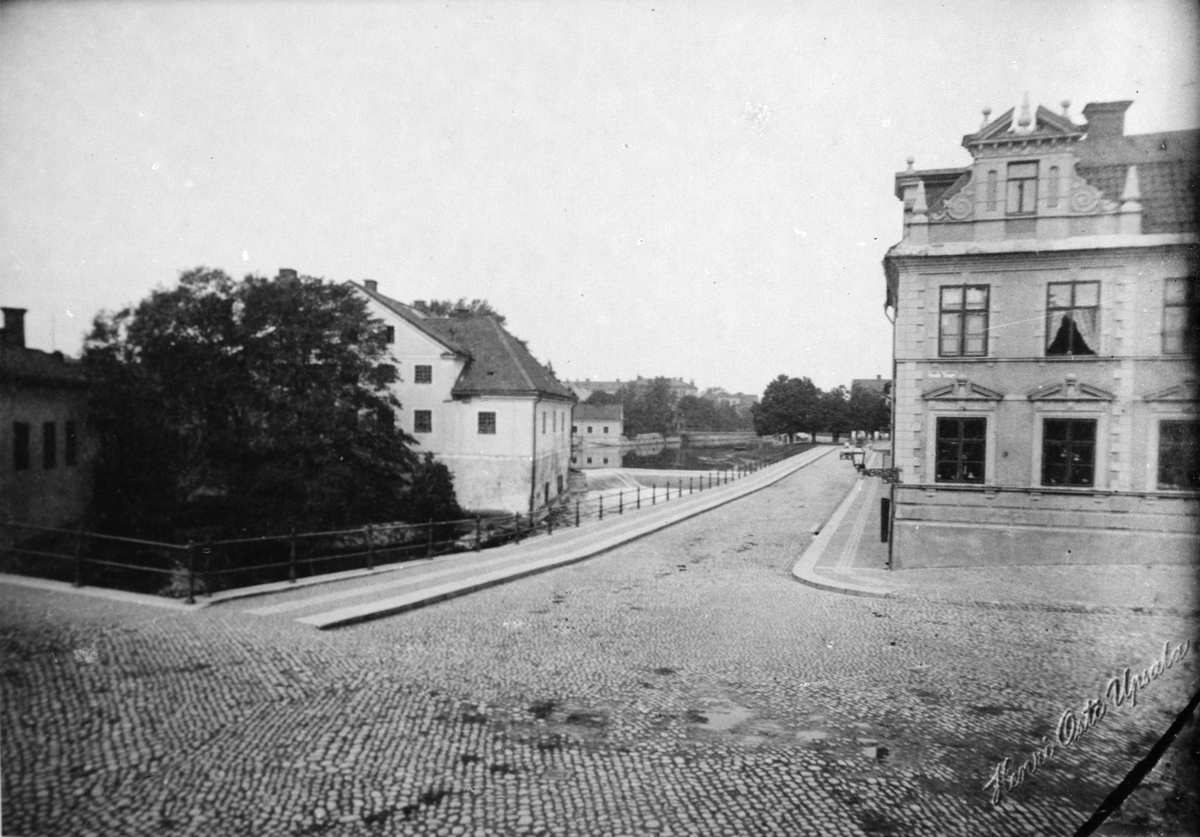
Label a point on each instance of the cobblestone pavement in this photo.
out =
(683, 684)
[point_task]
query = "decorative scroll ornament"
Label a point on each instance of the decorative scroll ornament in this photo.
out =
(1086, 198)
(961, 205)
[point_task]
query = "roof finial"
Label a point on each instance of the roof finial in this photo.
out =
(910, 160)
(1066, 106)
(1025, 123)
(987, 115)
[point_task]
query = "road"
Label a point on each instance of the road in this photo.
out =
(682, 684)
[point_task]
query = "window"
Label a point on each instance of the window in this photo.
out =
(589, 428)
(1068, 451)
(487, 423)
(423, 421)
(389, 334)
(49, 445)
(1072, 318)
(560, 482)
(20, 446)
(1022, 188)
(423, 374)
(1178, 456)
(963, 321)
(71, 450)
(589, 460)
(1179, 317)
(960, 451)
(554, 422)
(606, 428)
(574, 428)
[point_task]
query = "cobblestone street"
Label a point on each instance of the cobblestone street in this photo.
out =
(681, 684)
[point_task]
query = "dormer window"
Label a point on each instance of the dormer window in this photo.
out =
(1022, 188)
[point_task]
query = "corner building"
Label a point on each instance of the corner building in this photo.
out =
(1044, 331)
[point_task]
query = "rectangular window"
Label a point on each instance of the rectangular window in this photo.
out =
(1178, 456)
(1072, 318)
(71, 450)
(963, 321)
(20, 446)
(487, 423)
(423, 374)
(606, 428)
(49, 445)
(1068, 451)
(1179, 317)
(961, 450)
(389, 334)
(575, 428)
(422, 421)
(589, 428)
(1022, 188)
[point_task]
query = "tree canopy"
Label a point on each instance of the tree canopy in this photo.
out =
(476, 308)
(796, 405)
(253, 406)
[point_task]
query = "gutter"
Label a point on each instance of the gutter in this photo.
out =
(533, 458)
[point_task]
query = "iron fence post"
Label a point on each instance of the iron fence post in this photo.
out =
(292, 556)
(478, 532)
(639, 497)
(710, 479)
(79, 557)
(370, 548)
(621, 502)
(191, 572)
(549, 521)
(601, 506)
(429, 539)
(576, 514)
(653, 494)
(690, 489)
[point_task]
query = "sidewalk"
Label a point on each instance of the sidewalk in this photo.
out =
(848, 557)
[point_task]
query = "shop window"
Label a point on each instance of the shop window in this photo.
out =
(1072, 318)
(1068, 452)
(1178, 456)
(960, 450)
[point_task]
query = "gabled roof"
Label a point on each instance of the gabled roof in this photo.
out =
(600, 412)
(18, 363)
(407, 313)
(497, 362)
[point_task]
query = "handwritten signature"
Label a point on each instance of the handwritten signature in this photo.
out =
(1074, 724)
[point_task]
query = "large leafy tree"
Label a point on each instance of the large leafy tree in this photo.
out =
(249, 406)
(474, 308)
(788, 406)
(649, 407)
(869, 410)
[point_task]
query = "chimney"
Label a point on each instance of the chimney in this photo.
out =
(420, 305)
(286, 273)
(1105, 119)
(13, 333)
(371, 285)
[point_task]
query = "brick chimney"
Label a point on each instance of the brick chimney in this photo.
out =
(1105, 119)
(371, 285)
(13, 333)
(421, 306)
(286, 273)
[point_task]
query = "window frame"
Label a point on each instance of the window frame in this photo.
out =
(962, 314)
(49, 445)
(22, 442)
(1171, 459)
(1021, 193)
(427, 416)
(1187, 332)
(1050, 337)
(70, 443)
(422, 373)
(959, 440)
(1094, 444)
(486, 423)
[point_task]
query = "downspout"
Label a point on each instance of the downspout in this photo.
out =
(533, 458)
(892, 277)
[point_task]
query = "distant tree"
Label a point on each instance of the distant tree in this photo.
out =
(788, 406)
(694, 413)
(253, 406)
(649, 408)
(869, 410)
(603, 398)
(476, 308)
(833, 413)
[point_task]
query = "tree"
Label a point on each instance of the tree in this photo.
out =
(248, 406)
(474, 308)
(833, 413)
(649, 408)
(602, 398)
(869, 410)
(788, 406)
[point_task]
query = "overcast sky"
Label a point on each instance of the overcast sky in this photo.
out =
(701, 190)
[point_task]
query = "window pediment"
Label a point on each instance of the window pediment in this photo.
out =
(1185, 391)
(962, 390)
(1071, 390)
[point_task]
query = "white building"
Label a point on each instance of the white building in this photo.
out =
(474, 396)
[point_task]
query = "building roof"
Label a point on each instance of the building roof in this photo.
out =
(600, 412)
(496, 362)
(1168, 167)
(18, 363)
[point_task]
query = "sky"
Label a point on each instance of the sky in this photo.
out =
(702, 190)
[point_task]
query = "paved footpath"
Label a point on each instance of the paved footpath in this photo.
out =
(680, 684)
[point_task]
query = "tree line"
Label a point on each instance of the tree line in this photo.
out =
(653, 407)
(792, 406)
